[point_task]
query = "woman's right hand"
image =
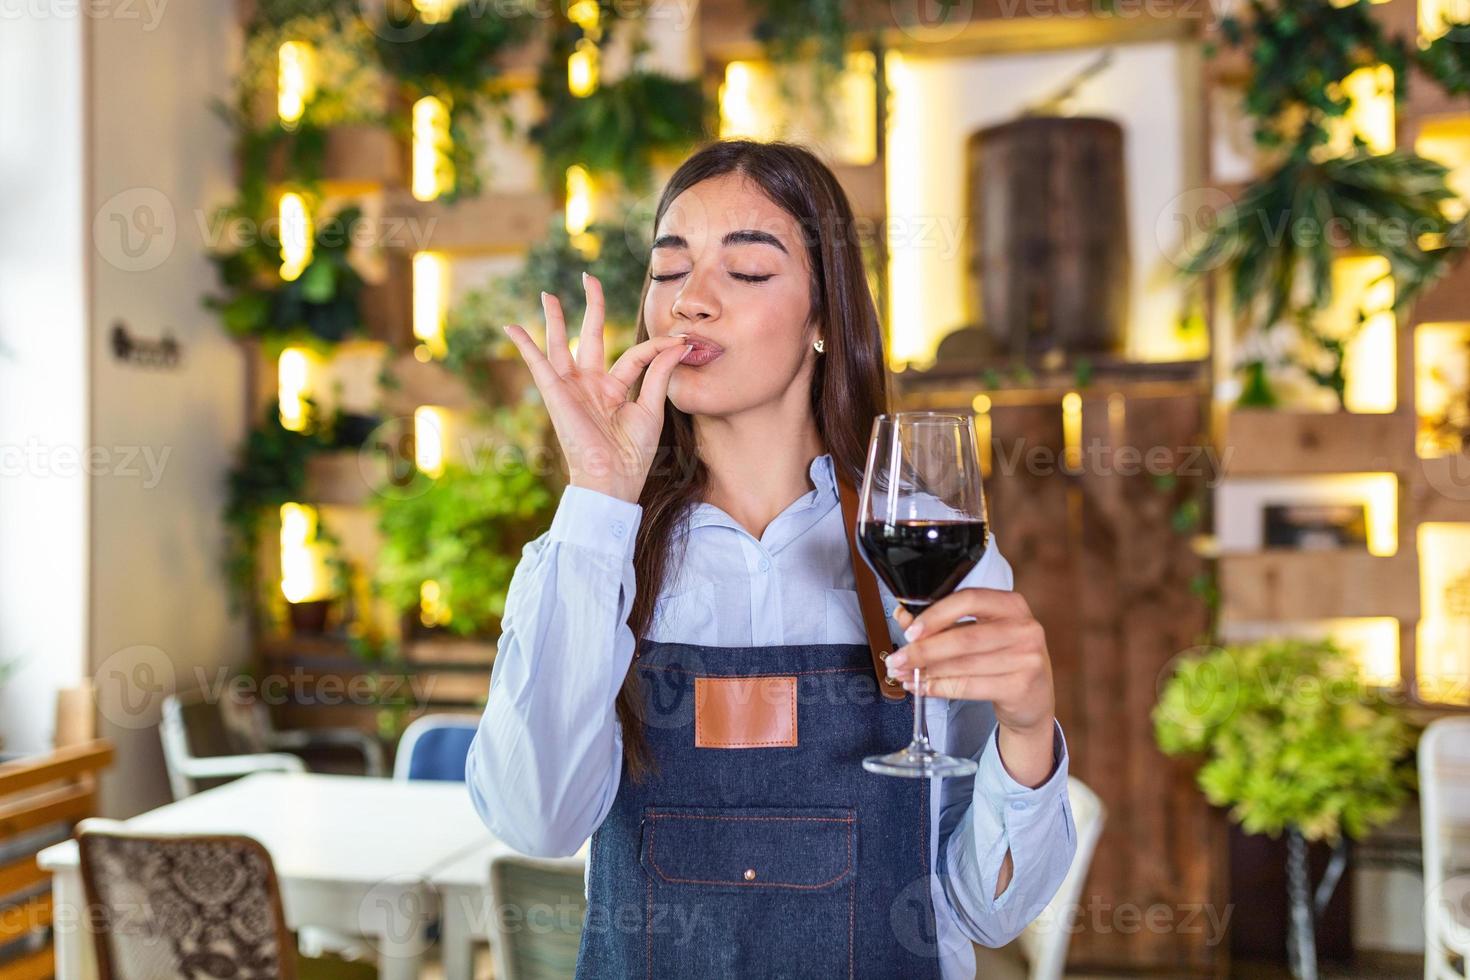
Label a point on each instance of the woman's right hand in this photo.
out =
(608, 438)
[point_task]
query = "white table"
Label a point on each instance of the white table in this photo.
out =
(353, 855)
(465, 908)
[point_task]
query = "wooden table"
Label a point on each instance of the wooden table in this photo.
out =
(353, 855)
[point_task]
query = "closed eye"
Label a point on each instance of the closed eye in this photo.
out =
(743, 277)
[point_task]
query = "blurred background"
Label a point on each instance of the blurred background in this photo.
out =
(267, 462)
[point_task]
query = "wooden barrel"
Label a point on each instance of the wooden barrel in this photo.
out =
(1049, 265)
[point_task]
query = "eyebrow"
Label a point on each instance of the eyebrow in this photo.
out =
(746, 236)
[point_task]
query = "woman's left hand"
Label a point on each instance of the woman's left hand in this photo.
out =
(1001, 657)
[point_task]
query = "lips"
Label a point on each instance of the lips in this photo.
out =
(703, 351)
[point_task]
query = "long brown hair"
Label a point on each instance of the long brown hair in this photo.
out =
(849, 382)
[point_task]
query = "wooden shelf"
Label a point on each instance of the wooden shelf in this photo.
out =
(727, 28)
(490, 223)
(1274, 586)
(357, 159)
(451, 651)
(1440, 490)
(349, 478)
(426, 383)
(1269, 442)
(1447, 300)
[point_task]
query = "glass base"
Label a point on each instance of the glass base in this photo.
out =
(919, 761)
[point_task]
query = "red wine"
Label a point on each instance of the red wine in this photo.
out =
(923, 561)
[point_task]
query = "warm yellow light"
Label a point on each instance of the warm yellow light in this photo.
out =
(753, 106)
(579, 200)
(297, 235)
(910, 335)
(433, 609)
(1437, 16)
(430, 300)
(739, 118)
(1446, 141)
(1442, 659)
(1363, 290)
(1379, 494)
(1370, 116)
(296, 74)
(434, 11)
(295, 369)
(582, 68)
(1072, 429)
(1373, 642)
(586, 14)
(981, 404)
(858, 94)
(1441, 379)
(303, 577)
(433, 169)
(428, 439)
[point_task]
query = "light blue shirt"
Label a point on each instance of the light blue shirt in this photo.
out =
(545, 763)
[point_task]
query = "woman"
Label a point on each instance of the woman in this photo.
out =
(705, 534)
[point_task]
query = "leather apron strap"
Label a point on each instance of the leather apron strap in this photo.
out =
(869, 601)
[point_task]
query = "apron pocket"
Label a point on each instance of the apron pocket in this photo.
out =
(749, 891)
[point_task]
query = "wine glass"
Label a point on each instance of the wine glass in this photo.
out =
(921, 524)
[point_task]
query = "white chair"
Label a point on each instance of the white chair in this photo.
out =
(1444, 806)
(548, 897)
(207, 741)
(1040, 952)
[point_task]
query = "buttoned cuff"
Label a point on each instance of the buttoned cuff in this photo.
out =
(598, 521)
(1015, 810)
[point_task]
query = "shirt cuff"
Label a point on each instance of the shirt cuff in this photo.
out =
(1014, 808)
(597, 521)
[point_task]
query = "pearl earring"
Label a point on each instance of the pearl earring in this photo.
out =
(820, 346)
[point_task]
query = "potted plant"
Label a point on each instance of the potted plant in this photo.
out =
(1293, 740)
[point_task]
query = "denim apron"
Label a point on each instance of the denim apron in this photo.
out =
(767, 860)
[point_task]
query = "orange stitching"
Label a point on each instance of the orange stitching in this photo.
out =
(653, 857)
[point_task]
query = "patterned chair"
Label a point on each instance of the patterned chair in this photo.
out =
(191, 907)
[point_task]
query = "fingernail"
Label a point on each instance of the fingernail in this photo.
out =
(584, 278)
(896, 662)
(913, 632)
(543, 295)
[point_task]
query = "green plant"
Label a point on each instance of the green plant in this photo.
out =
(318, 305)
(7, 671)
(270, 471)
(1324, 191)
(1291, 735)
(620, 127)
(810, 35)
(473, 333)
(458, 61)
(462, 530)
(1279, 240)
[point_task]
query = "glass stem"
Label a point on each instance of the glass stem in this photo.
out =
(921, 722)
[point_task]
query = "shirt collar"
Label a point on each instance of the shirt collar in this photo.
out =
(821, 474)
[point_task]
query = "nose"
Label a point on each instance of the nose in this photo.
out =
(695, 303)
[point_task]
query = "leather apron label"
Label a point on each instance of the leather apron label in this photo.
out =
(744, 712)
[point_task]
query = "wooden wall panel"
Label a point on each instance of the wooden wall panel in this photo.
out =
(1097, 556)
